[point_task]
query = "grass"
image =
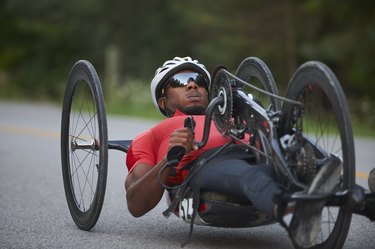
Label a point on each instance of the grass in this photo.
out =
(126, 108)
(363, 129)
(133, 98)
(330, 127)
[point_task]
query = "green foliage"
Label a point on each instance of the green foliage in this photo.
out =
(131, 98)
(344, 38)
(41, 40)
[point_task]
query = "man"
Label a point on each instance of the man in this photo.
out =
(180, 88)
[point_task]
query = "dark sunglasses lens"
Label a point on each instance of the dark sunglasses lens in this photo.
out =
(200, 81)
(175, 82)
(183, 79)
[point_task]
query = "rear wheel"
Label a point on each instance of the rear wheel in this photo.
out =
(254, 71)
(84, 145)
(325, 122)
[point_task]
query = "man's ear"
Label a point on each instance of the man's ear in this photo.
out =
(162, 102)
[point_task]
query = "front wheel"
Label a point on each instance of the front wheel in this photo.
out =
(255, 72)
(84, 145)
(325, 122)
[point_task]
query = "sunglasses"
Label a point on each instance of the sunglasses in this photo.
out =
(183, 79)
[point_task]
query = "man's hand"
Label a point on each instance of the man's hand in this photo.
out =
(183, 137)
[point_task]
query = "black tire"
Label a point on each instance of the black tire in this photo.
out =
(253, 70)
(371, 180)
(325, 120)
(84, 169)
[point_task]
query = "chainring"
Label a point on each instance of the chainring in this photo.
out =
(222, 115)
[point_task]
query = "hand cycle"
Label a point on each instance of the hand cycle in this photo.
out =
(297, 133)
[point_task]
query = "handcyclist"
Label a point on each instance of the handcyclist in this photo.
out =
(180, 88)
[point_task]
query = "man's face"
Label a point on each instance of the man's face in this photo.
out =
(191, 99)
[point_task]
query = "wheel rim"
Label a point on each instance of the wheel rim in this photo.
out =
(83, 163)
(321, 124)
(324, 119)
(84, 145)
(255, 72)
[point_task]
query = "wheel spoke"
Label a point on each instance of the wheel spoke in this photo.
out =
(84, 165)
(84, 120)
(325, 121)
(83, 127)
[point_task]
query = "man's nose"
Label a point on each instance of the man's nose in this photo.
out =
(191, 85)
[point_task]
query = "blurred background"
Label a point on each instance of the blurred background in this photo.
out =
(127, 40)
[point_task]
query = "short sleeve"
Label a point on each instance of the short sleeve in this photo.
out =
(142, 150)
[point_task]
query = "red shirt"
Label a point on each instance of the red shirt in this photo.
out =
(152, 145)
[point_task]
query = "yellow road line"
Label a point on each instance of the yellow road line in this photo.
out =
(29, 131)
(54, 134)
(361, 175)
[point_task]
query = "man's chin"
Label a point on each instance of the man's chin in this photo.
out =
(193, 110)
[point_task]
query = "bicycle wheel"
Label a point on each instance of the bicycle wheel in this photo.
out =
(326, 123)
(254, 71)
(84, 145)
(257, 74)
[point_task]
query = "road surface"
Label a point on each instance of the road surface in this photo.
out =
(34, 213)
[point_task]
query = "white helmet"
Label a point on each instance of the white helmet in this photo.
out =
(170, 68)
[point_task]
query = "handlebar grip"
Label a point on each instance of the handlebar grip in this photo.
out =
(190, 123)
(176, 153)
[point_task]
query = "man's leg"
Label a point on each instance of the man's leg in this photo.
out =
(237, 178)
(258, 184)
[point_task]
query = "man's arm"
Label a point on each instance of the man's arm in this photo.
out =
(143, 190)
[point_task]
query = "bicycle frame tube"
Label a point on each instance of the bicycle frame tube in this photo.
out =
(257, 118)
(246, 107)
(207, 122)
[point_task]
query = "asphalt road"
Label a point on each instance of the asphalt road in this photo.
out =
(34, 213)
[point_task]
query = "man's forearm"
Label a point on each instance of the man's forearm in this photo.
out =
(144, 193)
